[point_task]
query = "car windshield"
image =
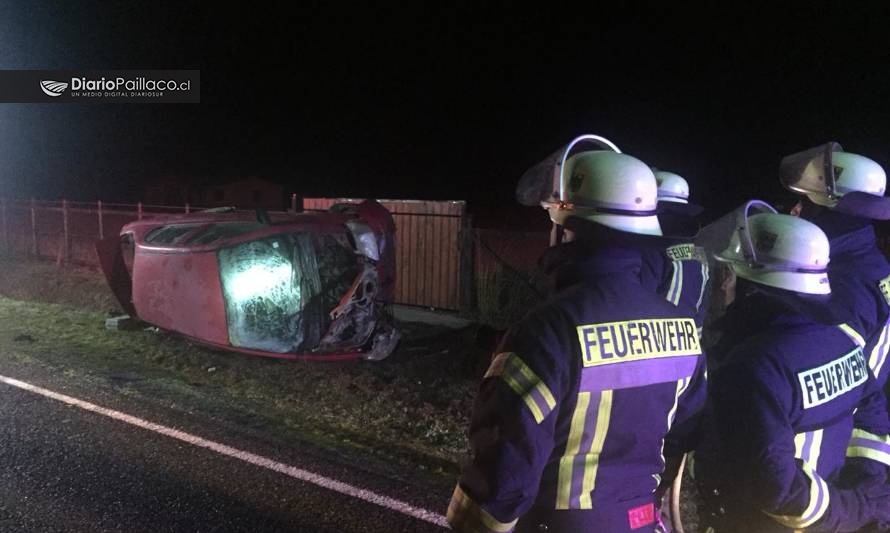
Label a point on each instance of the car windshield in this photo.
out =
(279, 290)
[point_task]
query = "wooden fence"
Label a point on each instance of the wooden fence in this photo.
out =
(433, 257)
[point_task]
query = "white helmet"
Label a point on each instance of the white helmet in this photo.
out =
(600, 184)
(826, 175)
(609, 188)
(780, 251)
(671, 187)
(854, 172)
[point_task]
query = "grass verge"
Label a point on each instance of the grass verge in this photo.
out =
(413, 407)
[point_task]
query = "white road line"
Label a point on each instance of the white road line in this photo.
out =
(256, 460)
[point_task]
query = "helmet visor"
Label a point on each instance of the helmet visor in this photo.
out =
(717, 238)
(544, 182)
(810, 171)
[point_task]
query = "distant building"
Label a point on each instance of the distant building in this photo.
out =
(171, 190)
(244, 193)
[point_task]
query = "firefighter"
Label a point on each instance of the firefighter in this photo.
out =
(676, 267)
(570, 422)
(792, 386)
(677, 215)
(843, 192)
(678, 270)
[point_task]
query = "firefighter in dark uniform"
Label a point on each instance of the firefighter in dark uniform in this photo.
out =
(792, 386)
(843, 193)
(678, 270)
(587, 393)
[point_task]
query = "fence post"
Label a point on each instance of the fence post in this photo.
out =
(5, 226)
(139, 211)
(467, 245)
(101, 226)
(33, 229)
(65, 236)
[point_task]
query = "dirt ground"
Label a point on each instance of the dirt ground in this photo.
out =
(412, 407)
(416, 402)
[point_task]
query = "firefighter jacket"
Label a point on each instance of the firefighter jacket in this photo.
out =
(860, 284)
(582, 400)
(792, 403)
(678, 270)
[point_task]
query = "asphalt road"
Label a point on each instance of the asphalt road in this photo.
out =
(68, 470)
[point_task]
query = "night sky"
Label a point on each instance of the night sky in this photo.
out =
(441, 101)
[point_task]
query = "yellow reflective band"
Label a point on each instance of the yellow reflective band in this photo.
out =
(592, 461)
(862, 434)
(676, 288)
(529, 401)
(686, 381)
(816, 448)
(576, 432)
(869, 446)
(868, 453)
(878, 354)
(819, 497)
(799, 441)
(533, 378)
(524, 382)
(466, 515)
(637, 340)
(809, 453)
(679, 286)
(853, 334)
(705, 275)
(682, 384)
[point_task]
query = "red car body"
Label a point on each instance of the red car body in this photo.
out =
(294, 286)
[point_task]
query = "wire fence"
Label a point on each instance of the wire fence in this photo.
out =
(66, 231)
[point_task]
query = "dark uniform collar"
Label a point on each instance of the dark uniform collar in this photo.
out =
(840, 226)
(678, 220)
(853, 242)
(760, 306)
(576, 262)
(598, 251)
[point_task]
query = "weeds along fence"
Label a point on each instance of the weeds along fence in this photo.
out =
(507, 281)
(442, 262)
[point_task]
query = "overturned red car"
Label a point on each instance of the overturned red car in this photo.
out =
(295, 286)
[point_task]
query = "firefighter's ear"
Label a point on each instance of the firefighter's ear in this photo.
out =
(745, 288)
(728, 285)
